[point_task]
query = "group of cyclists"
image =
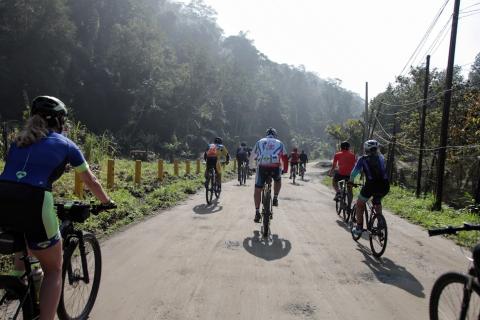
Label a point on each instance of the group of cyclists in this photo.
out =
(40, 153)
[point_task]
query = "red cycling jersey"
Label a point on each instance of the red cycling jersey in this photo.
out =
(294, 157)
(345, 160)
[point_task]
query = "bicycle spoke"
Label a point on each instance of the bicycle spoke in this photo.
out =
(450, 303)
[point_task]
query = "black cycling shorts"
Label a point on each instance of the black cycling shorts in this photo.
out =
(337, 177)
(375, 189)
(29, 210)
(212, 163)
(263, 172)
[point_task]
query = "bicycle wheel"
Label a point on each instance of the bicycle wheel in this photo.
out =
(450, 299)
(353, 222)
(78, 296)
(267, 211)
(244, 174)
(345, 212)
(209, 189)
(378, 235)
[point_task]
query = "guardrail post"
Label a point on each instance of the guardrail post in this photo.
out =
(187, 167)
(160, 170)
(198, 166)
(138, 171)
(175, 167)
(110, 173)
(78, 191)
(235, 164)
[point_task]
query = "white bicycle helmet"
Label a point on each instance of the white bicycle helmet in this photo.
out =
(369, 145)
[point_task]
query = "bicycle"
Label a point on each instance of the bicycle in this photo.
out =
(243, 173)
(81, 269)
(211, 186)
(293, 169)
(456, 295)
(267, 207)
(376, 228)
(341, 205)
(302, 171)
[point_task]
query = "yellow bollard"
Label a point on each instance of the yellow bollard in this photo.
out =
(198, 166)
(187, 167)
(138, 171)
(160, 170)
(110, 173)
(175, 167)
(78, 186)
(234, 164)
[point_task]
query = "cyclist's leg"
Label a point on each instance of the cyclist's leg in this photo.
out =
(51, 262)
(239, 168)
(349, 193)
(277, 185)
(257, 196)
(336, 177)
(218, 171)
(363, 197)
(381, 190)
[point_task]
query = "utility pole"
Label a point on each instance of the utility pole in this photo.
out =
(442, 152)
(374, 122)
(391, 152)
(365, 131)
(422, 127)
(477, 192)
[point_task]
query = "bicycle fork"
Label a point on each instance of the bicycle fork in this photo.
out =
(83, 257)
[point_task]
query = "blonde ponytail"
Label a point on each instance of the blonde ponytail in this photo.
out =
(34, 130)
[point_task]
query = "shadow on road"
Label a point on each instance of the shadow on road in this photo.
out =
(386, 271)
(347, 228)
(208, 208)
(269, 249)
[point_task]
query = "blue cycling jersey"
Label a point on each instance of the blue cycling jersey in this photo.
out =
(373, 167)
(41, 163)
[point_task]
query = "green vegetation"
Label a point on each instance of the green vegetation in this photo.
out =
(403, 203)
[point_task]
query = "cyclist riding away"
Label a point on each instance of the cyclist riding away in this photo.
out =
(243, 154)
(270, 154)
(294, 157)
(215, 153)
(372, 164)
(36, 159)
(303, 160)
(345, 160)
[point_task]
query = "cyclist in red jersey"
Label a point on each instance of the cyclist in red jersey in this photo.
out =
(345, 160)
(294, 158)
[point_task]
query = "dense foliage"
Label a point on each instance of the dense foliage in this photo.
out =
(402, 102)
(159, 75)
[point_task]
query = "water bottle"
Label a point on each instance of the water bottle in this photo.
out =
(37, 277)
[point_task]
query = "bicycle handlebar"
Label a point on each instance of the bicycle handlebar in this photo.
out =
(453, 230)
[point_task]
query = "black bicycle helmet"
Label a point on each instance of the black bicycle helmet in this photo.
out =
(218, 140)
(271, 132)
(243, 144)
(48, 107)
(345, 145)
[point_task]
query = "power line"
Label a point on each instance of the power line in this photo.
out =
(440, 37)
(412, 102)
(423, 40)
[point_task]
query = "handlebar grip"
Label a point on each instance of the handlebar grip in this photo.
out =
(436, 232)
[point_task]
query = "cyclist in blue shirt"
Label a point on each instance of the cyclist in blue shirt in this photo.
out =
(36, 159)
(372, 164)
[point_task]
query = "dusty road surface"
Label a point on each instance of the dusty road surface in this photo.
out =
(199, 262)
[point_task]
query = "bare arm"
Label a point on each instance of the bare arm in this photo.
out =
(94, 186)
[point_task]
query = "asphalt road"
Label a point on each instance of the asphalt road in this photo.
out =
(207, 262)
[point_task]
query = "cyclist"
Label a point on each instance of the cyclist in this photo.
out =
(294, 157)
(345, 160)
(372, 164)
(215, 153)
(243, 154)
(270, 153)
(37, 158)
(303, 160)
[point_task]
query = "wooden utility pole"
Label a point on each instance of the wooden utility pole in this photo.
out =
(422, 127)
(374, 122)
(365, 129)
(391, 152)
(442, 152)
(477, 192)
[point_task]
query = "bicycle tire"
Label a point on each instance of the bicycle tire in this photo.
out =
(10, 304)
(338, 206)
(378, 233)
(345, 211)
(267, 211)
(209, 189)
(71, 293)
(353, 221)
(445, 295)
(244, 174)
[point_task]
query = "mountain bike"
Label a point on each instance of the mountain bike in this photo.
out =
(243, 173)
(293, 168)
(302, 171)
(267, 208)
(456, 295)
(341, 204)
(81, 270)
(211, 186)
(376, 228)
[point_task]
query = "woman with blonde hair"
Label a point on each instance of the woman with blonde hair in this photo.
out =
(36, 159)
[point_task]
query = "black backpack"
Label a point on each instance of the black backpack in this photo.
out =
(376, 170)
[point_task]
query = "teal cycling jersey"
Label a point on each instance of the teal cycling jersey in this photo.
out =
(43, 162)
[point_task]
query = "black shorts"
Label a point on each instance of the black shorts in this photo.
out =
(29, 210)
(337, 177)
(212, 163)
(263, 172)
(375, 189)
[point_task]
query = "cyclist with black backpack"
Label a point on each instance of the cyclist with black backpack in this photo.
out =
(372, 164)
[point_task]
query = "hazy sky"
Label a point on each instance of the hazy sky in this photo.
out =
(355, 41)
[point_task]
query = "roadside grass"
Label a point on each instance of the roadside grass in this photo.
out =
(135, 202)
(403, 203)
